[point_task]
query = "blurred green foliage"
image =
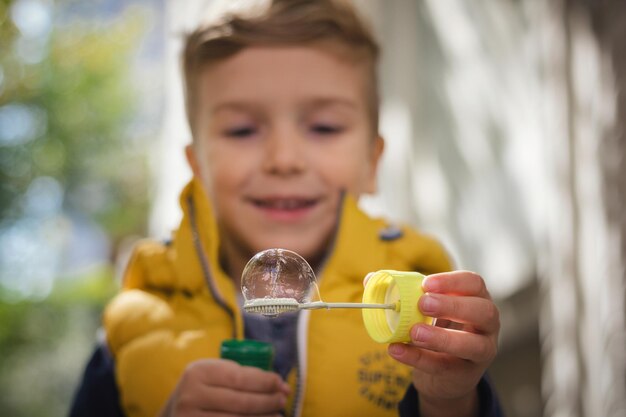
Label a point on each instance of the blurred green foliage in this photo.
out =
(45, 345)
(81, 102)
(67, 112)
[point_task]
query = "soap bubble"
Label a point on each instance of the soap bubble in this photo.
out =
(279, 273)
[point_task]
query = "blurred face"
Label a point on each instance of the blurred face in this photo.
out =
(280, 132)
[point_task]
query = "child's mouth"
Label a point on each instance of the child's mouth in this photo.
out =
(285, 208)
(285, 203)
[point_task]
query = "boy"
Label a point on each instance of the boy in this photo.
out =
(282, 105)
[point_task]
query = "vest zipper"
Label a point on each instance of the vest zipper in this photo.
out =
(296, 398)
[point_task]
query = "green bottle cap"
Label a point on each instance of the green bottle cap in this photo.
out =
(248, 353)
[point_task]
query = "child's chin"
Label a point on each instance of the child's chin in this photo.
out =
(291, 243)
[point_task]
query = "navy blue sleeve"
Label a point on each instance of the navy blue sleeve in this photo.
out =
(488, 400)
(97, 394)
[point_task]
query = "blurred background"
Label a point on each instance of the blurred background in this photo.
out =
(505, 123)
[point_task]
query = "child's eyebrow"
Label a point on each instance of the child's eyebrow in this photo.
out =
(307, 104)
(323, 102)
(233, 106)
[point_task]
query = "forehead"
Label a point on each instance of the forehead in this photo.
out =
(283, 75)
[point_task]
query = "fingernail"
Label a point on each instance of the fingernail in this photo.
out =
(396, 349)
(430, 284)
(430, 304)
(421, 333)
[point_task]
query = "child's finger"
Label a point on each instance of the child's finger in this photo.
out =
(239, 402)
(470, 346)
(457, 283)
(427, 361)
(481, 313)
(229, 374)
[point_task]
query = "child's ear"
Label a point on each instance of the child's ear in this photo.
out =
(192, 160)
(377, 150)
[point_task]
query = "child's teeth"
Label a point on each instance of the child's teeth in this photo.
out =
(286, 204)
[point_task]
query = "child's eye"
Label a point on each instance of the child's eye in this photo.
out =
(326, 129)
(241, 132)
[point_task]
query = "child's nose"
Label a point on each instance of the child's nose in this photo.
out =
(283, 153)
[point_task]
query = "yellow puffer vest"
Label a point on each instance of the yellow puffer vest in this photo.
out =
(177, 306)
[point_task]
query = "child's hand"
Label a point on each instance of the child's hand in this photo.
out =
(449, 359)
(218, 387)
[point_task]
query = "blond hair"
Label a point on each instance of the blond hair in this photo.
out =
(280, 23)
